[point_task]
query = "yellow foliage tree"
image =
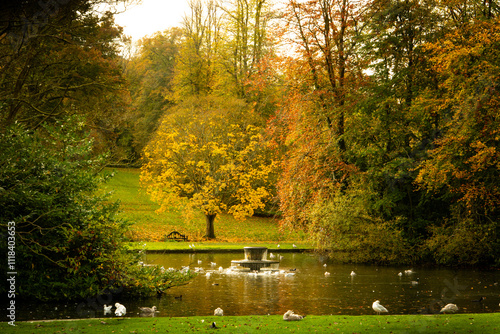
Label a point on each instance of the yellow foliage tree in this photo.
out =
(209, 153)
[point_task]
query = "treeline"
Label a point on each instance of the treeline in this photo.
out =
(382, 116)
(62, 96)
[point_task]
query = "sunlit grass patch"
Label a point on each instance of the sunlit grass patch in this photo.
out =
(147, 225)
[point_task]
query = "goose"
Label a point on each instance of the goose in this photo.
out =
(449, 308)
(409, 272)
(400, 274)
(199, 261)
(213, 325)
(294, 246)
(291, 316)
(479, 300)
(327, 273)
(148, 309)
(272, 256)
(120, 310)
(378, 308)
(218, 311)
(353, 273)
(107, 309)
(178, 297)
(324, 265)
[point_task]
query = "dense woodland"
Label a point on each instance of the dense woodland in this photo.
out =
(372, 125)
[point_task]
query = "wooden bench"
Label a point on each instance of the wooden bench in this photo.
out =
(174, 235)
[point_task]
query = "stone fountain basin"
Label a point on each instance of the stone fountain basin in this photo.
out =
(255, 258)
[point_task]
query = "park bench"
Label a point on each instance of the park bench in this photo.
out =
(174, 235)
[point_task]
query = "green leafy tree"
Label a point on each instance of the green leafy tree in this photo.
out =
(68, 242)
(210, 153)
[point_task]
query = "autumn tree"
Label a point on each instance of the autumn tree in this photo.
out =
(150, 72)
(463, 164)
(246, 28)
(209, 153)
(322, 75)
(196, 69)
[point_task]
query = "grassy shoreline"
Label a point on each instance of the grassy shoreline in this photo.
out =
(186, 247)
(441, 323)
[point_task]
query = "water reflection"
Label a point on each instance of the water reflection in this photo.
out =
(309, 291)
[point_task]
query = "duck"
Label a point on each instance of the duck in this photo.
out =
(218, 311)
(327, 273)
(107, 309)
(378, 308)
(353, 273)
(120, 310)
(291, 316)
(148, 309)
(449, 308)
(178, 297)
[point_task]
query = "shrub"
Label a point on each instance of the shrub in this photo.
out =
(68, 243)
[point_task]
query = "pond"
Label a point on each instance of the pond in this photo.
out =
(302, 287)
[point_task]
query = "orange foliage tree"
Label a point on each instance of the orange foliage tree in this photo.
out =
(464, 162)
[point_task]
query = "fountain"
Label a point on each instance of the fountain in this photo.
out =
(255, 259)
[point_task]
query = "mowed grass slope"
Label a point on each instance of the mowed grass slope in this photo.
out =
(149, 226)
(456, 323)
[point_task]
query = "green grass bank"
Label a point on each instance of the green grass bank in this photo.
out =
(150, 226)
(456, 323)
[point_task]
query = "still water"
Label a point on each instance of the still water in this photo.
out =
(307, 291)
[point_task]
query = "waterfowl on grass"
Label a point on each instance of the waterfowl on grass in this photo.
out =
(120, 310)
(218, 311)
(107, 309)
(291, 316)
(449, 308)
(378, 308)
(148, 309)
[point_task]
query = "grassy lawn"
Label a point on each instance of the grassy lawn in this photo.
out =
(457, 323)
(149, 226)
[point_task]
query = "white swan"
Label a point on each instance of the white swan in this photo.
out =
(378, 308)
(107, 309)
(449, 308)
(290, 316)
(120, 310)
(218, 311)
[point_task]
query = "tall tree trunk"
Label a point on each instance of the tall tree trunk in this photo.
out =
(210, 234)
